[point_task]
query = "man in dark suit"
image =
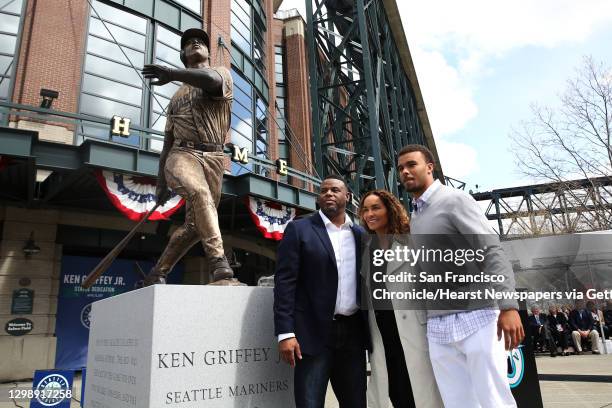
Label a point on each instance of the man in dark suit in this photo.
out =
(320, 327)
(539, 331)
(608, 319)
(582, 325)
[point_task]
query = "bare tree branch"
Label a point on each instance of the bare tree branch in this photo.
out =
(569, 142)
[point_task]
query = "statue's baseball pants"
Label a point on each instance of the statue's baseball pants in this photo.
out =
(197, 177)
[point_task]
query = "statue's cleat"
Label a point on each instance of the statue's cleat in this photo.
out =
(220, 269)
(155, 277)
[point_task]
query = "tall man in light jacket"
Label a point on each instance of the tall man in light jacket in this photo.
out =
(466, 347)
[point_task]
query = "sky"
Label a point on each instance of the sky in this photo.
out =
(481, 64)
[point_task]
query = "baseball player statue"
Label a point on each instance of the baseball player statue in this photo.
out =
(191, 162)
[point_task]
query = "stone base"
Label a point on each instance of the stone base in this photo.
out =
(227, 282)
(186, 346)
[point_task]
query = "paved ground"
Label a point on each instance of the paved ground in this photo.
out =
(565, 392)
(590, 385)
(566, 382)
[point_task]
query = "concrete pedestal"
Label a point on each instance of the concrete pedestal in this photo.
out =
(186, 346)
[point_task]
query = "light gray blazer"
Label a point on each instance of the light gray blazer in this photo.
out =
(455, 212)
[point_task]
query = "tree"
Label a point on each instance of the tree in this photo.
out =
(570, 146)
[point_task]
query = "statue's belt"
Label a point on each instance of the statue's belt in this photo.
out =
(204, 147)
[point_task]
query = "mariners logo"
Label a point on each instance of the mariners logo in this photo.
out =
(85, 316)
(516, 366)
(48, 387)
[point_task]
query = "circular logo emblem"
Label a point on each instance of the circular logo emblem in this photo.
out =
(516, 367)
(85, 316)
(47, 386)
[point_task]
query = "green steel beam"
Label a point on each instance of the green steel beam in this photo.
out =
(363, 105)
(68, 162)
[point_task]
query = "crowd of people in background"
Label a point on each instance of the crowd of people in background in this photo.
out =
(570, 329)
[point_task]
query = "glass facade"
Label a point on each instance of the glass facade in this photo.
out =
(242, 120)
(116, 49)
(10, 22)
(178, 14)
(250, 127)
(248, 30)
(119, 43)
(167, 52)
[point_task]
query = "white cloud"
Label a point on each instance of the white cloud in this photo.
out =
(492, 27)
(473, 32)
(452, 104)
(294, 4)
(458, 159)
(454, 44)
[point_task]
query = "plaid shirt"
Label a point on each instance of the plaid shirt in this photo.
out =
(457, 326)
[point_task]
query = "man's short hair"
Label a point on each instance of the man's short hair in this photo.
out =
(335, 177)
(429, 157)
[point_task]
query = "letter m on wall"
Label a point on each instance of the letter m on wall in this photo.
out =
(240, 154)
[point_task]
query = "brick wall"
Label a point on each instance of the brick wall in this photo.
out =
(51, 52)
(274, 35)
(298, 93)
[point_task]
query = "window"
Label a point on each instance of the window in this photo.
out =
(119, 43)
(242, 120)
(193, 5)
(248, 31)
(116, 45)
(10, 21)
(249, 128)
(167, 52)
(177, 14)
(249, 110)
(242, 34)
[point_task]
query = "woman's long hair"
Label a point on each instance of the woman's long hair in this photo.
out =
(399, 223)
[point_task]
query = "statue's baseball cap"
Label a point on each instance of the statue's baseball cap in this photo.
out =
(195, 33)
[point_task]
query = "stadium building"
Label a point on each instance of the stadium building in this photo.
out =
(81, 131)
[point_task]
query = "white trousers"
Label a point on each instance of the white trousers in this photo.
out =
(593, 335)
(473, 372)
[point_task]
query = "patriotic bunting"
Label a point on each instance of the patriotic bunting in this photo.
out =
(270, 218)
(135, 196)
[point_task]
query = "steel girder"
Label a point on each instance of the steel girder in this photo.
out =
(363, 106)
(554, 208)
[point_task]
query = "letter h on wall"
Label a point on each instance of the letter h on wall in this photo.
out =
(120, 126)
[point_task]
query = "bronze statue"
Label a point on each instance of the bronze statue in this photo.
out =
(192, 159)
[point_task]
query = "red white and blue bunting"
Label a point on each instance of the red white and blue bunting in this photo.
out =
(270, 218)
(135, 196)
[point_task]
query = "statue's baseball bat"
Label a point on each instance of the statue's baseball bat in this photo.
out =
(110, 257)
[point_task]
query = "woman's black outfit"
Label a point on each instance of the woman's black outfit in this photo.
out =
(400, 390)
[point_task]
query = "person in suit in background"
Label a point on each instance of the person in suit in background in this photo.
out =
(539, 332)
(559, 329)
(582, 325)
(465, 347)
(598, 318)
(401, 369)
(566, 310)
(321, 329)
(608, 318)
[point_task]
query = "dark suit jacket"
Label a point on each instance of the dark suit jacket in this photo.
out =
(581, 323)
(533, 324)
(306, 283)
(554, 321)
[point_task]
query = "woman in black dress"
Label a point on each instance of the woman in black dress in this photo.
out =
(387, 222)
